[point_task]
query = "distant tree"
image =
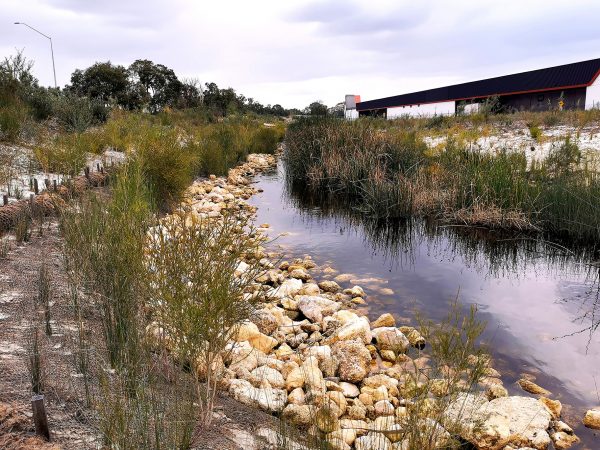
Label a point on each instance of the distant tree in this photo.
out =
(154, 86)
(191, 94)
(316, 109)
(222, 101)
(278, 110)
(102, 81)
(337, 110)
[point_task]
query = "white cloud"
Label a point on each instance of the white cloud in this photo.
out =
(297, 51)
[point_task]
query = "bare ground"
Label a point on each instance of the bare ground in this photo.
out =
(235, 426)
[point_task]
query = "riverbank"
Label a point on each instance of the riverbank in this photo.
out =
(466, 176)
(308, 354)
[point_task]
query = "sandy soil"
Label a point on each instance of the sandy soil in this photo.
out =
(235, 426)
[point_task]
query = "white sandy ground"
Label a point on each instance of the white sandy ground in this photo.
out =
(518, 139)
(23, 168)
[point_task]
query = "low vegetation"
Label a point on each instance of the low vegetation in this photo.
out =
(386, 170)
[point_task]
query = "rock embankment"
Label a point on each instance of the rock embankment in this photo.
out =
(308, 355)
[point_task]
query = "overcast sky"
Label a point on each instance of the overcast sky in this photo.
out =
(294, 51)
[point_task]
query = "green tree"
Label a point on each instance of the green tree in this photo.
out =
(316, 109)
(154, 85)
(102, 81)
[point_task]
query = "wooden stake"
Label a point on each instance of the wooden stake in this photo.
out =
(4, 200)
(40, 419)
(87, 172)
(55, 185)
(36, 188)
(98, 166)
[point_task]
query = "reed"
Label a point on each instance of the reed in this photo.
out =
(386, 171)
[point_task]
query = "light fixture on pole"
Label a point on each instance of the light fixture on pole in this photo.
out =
(51, 48)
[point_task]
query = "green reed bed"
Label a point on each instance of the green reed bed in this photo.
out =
(388, 172)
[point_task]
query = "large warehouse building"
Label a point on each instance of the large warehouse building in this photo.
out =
(570, 86)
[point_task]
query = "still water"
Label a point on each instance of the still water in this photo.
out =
(541, 301)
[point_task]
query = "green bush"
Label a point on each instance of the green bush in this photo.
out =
(13, 116)
(79, 113)
(264, 140)
(168, 164)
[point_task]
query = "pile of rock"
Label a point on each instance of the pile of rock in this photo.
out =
(308, 355)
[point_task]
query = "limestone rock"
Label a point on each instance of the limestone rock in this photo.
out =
(248, 331)
(355, 291)
(350, 390)
(326, 419)
(390, 338)
(265, 321)
(315, 307)
(373, 441)
(273, 376)
(347, 435)
(554, 406)
(592, 419)
(384, 408)
(384, 320)
(310, 289)
(519, 421)
(563, 441)
(297, 397)
(356, 329)
(532, 388)
(329, 286)
(380, 379)
(299, 414)
(354, 360)
(496, 391)
(270, 400)
(300, 273)
(288, 288)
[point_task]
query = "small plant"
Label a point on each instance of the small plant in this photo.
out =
(44, 294)
(199, 300)
(34, 361)
(4, 247)
(564, 158)
(22, 228)
(535, 132)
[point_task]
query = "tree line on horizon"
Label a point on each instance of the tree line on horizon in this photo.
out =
(92, 92)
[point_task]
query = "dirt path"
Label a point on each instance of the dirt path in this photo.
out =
(235, 426)
(19, 273)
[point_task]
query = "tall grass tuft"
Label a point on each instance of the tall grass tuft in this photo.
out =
(34, 361)
(386, 171)
(44, 294)
(198, 298)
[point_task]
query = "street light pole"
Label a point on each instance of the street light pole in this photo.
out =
(51, 48)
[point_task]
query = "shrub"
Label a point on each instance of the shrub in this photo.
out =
(167, 163)
(104, 251)
(13, 116)
(64, 154)
(535, 132)
(198, 296)
(265, 140)
(79, 113)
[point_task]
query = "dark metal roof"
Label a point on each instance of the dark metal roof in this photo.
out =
(560, 77)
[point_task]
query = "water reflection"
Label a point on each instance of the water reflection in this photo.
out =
(540, 299)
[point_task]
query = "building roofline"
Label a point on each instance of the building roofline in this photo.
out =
(528, 77)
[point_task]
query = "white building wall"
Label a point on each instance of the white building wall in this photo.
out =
(427, 110)
(592, 95)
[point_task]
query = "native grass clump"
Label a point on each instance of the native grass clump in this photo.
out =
(202, 277)
(387, 171)
(157, 303)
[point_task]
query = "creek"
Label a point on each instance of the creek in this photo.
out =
(541, 301)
